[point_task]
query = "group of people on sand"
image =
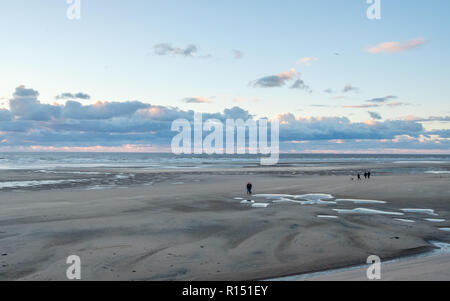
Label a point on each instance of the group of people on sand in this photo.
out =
(367, 175)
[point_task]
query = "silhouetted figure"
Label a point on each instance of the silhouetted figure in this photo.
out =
(368, 175)
(249, 188)
(359, 177)
(365, 175)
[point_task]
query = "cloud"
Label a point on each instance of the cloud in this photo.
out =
(197, 99)
(73, 96)
(378, 102)
(396, 47)
(5, 115)
(307, 61)
(429, 119)
(25, 106)
(350, 88)
(361, 106)
(329, 91)
(397, 104)
(333, 128)
(108, 125)
(375, 115)
(237, 54)
(101, 110)
(281, 79)
(23, 92)
(191, 50)
(382, 99)
(300, 84)
(439, 118)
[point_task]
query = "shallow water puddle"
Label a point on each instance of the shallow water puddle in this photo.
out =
(328, 216)
(304, 199)
(356, 201)
(273, 196)
(317, 202)
(442, 247)
(366, 211)
(285, 200)
(435, 220)
(404, 220)
(314, 196)
(247, 202)
(260, 205)
(423, 211)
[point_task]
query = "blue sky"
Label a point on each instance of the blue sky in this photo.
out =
(110, 54)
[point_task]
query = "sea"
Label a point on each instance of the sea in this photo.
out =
(48, 160)
(46, 170)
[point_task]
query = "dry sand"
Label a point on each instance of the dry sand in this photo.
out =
(188, 226)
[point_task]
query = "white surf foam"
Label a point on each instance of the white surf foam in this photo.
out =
(438, 172)
(22, 184)
(445, 229)
(123, 176)
(423, 211)
(366, 211)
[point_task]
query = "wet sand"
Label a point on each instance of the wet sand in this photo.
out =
(188, 226)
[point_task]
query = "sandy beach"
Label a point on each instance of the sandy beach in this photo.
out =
(191, 224)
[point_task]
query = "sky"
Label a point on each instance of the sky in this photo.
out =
(117, 77)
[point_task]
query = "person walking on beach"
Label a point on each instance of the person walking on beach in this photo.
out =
(368, 175)
(365, 175)
(359, 176)
(249, 188)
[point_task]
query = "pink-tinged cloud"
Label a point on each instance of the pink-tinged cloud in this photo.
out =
(288, 75)
(397, 104)
(412, 118)
(197, 99)
(396, 47)
(307, 61)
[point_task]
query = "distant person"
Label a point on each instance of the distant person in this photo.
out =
(368, 175)
(249, 188)
(359, 177)
(365, 175)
